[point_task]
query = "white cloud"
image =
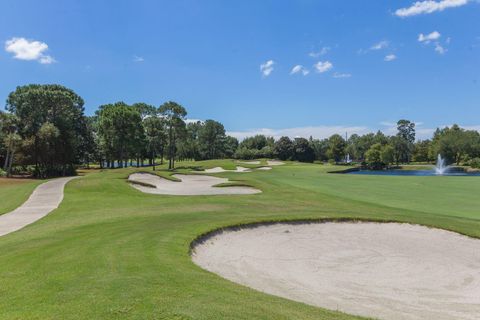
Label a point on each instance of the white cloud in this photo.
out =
(429, 6)
(267, 68)
(380, 45)
(439, 49)
(427, 38)
(299, 69)
(390, 57)
(24, 49)
(319, 132)
(323, 66)
(319, 53)
(338, 75)
(138, 59)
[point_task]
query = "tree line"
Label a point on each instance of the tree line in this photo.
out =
(373, 150)
(45, 132)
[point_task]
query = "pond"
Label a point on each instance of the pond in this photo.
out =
(413, 173)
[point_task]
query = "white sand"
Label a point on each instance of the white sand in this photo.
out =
(250, 162)
(219, 169)
(44, 199)
(385, 271)
(264, 168)
(190, 185)
(275, 163)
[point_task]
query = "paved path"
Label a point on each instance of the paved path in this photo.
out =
(44, 199)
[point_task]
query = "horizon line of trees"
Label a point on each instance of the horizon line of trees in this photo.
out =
(46, 133)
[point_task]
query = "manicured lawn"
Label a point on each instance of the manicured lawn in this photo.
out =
(14, 192)
(112, 252)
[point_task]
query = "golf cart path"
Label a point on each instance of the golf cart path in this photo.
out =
(43, 200)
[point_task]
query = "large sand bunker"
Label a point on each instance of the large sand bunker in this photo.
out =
(189, 185)
(385, 271)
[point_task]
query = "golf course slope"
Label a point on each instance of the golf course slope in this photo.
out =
(378, 270)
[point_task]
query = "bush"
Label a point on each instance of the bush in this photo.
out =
(475, 163)
(2, 173)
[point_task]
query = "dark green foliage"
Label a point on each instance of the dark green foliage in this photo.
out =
(303, 152)
(284, 148)
(53, 113)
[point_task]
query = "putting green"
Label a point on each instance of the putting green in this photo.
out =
(113, 252)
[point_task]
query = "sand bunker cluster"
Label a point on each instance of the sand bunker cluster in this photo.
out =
(385, 271)
(187, 186)
(240, 169)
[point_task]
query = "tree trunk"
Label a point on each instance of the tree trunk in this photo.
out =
(153, 157)
(9, 169)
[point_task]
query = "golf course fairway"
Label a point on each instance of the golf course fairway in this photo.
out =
(112, 252)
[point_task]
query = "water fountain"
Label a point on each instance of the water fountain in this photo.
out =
(440, 167)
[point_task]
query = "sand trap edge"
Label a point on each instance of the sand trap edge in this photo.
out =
(204, 237)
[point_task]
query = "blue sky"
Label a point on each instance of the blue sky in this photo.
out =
(276, 67)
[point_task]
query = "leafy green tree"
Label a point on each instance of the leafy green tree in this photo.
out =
(373, 157)
(144, 109)
(456, 144)
(211, 138)
(156, 137)
(405, 132)
(401, 149)
(303, 152)
(387, 155)
(284, 148)
(230, 146)
(9, 139)
(421, 151)
(336, 147)
(35, 105)
(174, 115)
(120, 127)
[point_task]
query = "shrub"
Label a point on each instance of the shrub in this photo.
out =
(2, 173)
(475, 163)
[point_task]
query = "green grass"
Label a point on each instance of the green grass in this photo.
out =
(112, 252)
(14, 192)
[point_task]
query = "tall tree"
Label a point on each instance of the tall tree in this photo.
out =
(303, 152)
(174, 115)
(336, 147)
(36, 105)
(120, 127)
(406, 132)
(284, 148)
(211, 138)
(156, 137)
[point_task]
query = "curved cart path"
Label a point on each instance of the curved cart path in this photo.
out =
(44, 199)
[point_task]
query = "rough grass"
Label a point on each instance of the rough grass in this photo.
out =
(14, 192)
(113, 252)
